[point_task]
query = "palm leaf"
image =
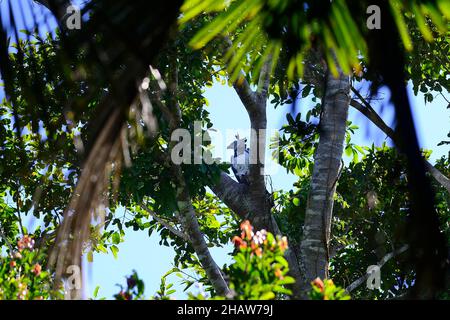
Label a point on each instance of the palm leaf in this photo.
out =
(340, 29)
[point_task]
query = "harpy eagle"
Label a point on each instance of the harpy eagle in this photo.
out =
(240, 160)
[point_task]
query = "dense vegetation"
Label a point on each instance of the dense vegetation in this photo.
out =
(86, 127)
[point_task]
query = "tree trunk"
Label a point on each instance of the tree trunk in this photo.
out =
(57, 7)
(192, 229)
(314, 248)
(252, 202)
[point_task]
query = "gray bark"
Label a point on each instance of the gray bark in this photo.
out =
(186, 213)
(438, 176)
(314, 247)
(252, 202)
(166, 224)
(191, 228)
(233, 194)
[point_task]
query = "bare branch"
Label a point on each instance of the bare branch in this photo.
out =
(192, 229)
(370, 113)
(233, 194)
(438, 176)
(380, 264)
(378, 121)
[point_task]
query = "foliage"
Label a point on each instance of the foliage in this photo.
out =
(336, 26)
(149, 181)
(327, 290)
(22, 275)
(426, 74)
(298, 143)
(134, 288)
(165, 289)
(40, 165)
(371, 220)
(260, 270)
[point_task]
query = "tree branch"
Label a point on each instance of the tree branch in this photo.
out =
(314, 246)
(252, 202)
(380, 264)
(192, 229)
(438, 176)
(173, 86)
(241, 85)
(164, 223)
(57, 7)
(255, 104)
(245, 93)
(186, 212)
(233, 194)
(369, 112)
(167, 114)
(366, 109)
(264, 79)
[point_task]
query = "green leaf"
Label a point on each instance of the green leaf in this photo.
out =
(115, 238)
(114, 249)
(290, 119)
(188, 285)
(95, 294)
(267, 296)
(282, 261)
(401, 24)
(286, 280)
(359, 148)
(306, 90)
(348, 151)
(355, 156)
(90, 256)
(102, 248)
(282, 290)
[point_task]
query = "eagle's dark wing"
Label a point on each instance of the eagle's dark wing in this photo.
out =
(236, 174)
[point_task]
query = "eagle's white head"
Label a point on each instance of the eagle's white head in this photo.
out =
(238, 145)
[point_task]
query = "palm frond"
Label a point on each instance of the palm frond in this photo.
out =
(301, 25)
(104, 63)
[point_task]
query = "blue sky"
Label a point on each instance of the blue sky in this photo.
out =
(151, 261)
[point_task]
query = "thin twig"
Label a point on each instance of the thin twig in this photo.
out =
(379, 122)
(164, 223)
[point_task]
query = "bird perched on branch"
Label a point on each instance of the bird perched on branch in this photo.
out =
(240, 160)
